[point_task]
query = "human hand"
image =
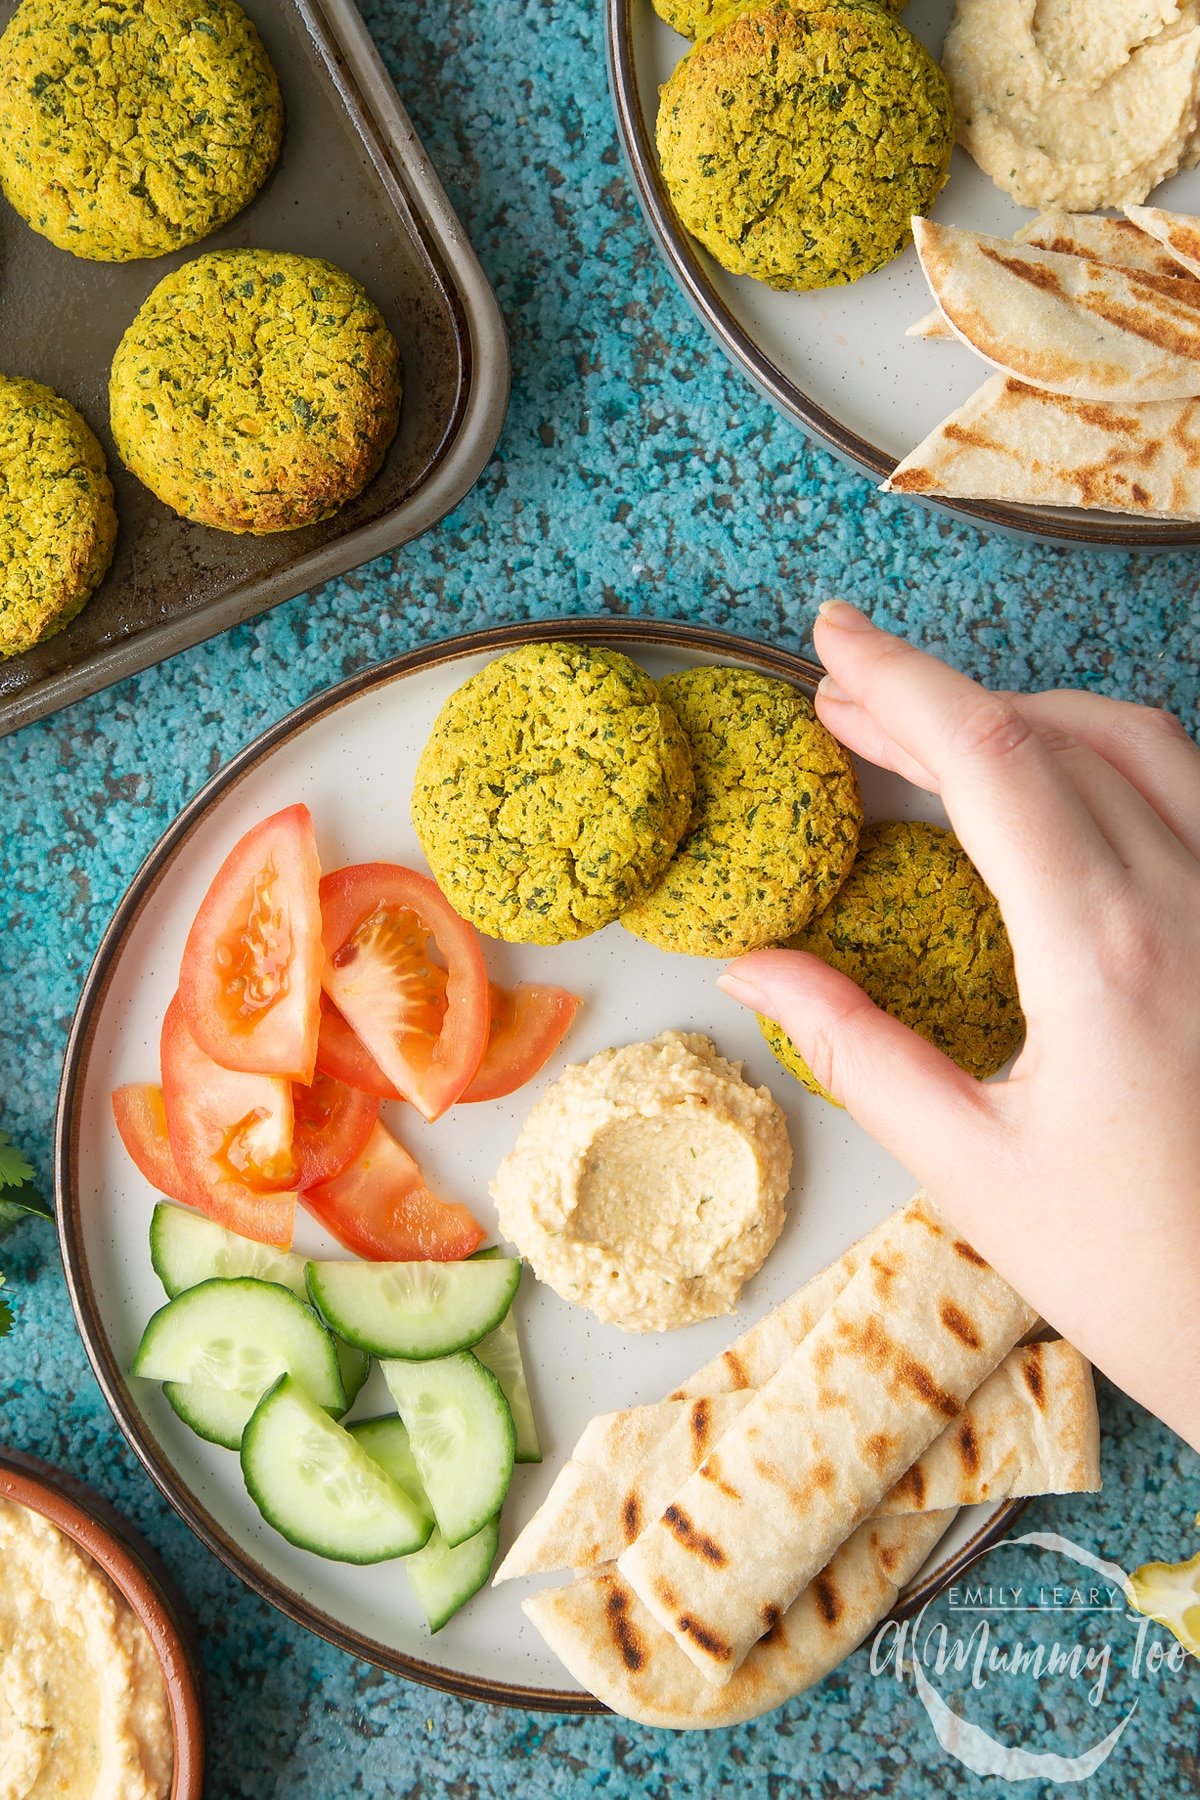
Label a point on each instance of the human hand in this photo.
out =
(1078, 1177)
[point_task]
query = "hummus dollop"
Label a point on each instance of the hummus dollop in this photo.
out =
(83, 1705)
(648, 1183)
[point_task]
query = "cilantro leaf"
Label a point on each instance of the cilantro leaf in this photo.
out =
(14, 1170)
(18, 1195)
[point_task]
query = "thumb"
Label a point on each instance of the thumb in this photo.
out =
(931, 1116)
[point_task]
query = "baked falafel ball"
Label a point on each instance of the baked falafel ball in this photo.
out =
(255, 391)
(917, 928)
(57, 521)
(796, 144)
(774, 824)
(132, 127)
(554, 787)
(696, 18)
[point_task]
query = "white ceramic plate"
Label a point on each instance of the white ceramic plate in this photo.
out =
(350, 754)
(837, 361)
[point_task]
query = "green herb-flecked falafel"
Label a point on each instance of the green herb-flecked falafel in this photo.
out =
(255, 391)
(132, 127)
(797, 144)
(696, 18)
(554, 787)
(57, 521)
(774, 825)
(917, 928)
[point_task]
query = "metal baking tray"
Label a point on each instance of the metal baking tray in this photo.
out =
(352, 184)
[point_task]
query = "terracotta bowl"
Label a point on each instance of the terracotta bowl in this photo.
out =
(132, 1567)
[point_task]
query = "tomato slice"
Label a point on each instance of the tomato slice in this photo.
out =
(142, 1122)
(231, 1136)
(342, 1054)
(251, 976)
(527, 1027)
(380, 1208)
(423, 1021)
(332, 1124)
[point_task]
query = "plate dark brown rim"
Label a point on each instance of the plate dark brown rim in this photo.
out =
(691, 271)
(493, 640)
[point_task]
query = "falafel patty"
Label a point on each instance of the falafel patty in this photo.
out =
(797, 144)
(774, 825)
(554, 788)
(917, 928)
(132, 127)
(696, 18)
(57, 521)
(255, 390)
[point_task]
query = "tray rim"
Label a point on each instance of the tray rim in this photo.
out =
(470, 437)
(688, 267)
(110, 1377)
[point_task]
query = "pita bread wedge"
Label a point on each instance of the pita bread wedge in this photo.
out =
(1178, 233)
(881, 1374)
(613, 1647)
(1012, 442)
(1120, 243)
(1067, 324)
(1031, 1428)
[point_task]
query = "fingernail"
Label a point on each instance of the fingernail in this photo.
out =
(738, 988)
(829, 689)
(843, 615)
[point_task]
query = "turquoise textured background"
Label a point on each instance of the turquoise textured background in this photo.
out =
(637, 474)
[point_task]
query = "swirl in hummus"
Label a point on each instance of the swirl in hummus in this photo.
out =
(83, 1705)
(648, 1184)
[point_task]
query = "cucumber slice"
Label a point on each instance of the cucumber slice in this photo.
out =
(461, 1434)
(416, 1310)
(239, 1335)
(500, 1351)
(445, 1578)
(385, 1441)
(318, 1487)
(218, 1414)
(186, 1249)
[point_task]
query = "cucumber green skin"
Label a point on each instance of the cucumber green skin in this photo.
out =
(395, 1338)
(495, 1351)
(399, 1373)
(261, 1421)
(211, 1412)
(444, 1579)
(385, 1441)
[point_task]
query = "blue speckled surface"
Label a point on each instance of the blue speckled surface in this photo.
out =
(636, 474)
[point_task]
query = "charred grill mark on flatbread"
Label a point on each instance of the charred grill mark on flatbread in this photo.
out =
(884, 1274)
(1036, 274)
(698, 1542)
(878, 1447)
(708, 1640)
(963, 1249)
(912, 1483)
(914, 1375)
(829, 1601)
(712, 1471)
(737, 1369)
(701, 1423)
(631, 1517)
(881, 1352)
(1031, 1369)
(771, 1616)
(968, 1447)
(888, 1555)
(631, 1645)
(957, 1322)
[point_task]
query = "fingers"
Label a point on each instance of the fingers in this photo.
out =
(1150, 749)
(922, 1108)
(1008, 789)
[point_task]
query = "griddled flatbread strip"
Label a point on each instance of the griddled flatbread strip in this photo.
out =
(1121, 243)
(1031, 1428)
(1065, 323)
(881, 1374)
(613, 1647)
(1178, 233)
(1011, 442)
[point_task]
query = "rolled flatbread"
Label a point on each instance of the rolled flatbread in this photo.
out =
(615, 1649)
(1121, 243)
(1012, 442)
(1178, 233)
(881, 1374)
(1031, 1428)
(1066, 324)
